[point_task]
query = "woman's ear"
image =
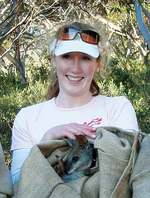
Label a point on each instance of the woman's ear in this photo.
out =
(99, 66)
(53, 60)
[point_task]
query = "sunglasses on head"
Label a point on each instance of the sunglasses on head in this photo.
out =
(70, 33)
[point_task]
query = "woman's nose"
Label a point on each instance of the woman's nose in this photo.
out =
(76, 65)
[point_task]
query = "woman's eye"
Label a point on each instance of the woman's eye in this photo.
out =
(86, 58)
(66, 56)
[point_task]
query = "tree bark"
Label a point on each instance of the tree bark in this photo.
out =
(19, 65)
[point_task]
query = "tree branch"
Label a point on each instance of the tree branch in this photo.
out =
(15, 27)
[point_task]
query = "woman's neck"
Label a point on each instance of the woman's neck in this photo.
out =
(72, 101)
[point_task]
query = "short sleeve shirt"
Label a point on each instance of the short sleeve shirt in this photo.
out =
(32, 122)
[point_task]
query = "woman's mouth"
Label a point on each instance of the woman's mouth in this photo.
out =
(74, 78)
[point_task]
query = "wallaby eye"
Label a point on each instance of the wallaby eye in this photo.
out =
(75, 159)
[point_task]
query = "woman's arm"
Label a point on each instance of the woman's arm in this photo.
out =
(21, 144)
(18, 158)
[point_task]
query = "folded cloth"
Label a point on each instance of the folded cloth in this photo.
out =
(5, 178)
(116, 153)
(140, 178)
(90, 187)
(39, 179)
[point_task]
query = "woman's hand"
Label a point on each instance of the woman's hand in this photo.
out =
(70, 131)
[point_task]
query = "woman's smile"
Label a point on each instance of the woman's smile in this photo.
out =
(73, 78)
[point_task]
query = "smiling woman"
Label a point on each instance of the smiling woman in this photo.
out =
(76, 37)
(75, 106)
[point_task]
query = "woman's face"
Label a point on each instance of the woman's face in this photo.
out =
(75, 72)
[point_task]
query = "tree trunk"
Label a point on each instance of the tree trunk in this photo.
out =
(20, 66)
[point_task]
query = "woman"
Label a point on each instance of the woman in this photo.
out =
(75, 106)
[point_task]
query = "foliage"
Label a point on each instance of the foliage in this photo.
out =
(134, 83)
(14, 96)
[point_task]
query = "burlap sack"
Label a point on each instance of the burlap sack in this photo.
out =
(116, 152)
(39, 179)
(90, 187)
(5, 178)
(140, 178)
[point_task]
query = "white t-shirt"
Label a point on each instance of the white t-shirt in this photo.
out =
(32, 122)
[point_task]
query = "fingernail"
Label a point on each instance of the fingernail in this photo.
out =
(93, 129)
(93, 136)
